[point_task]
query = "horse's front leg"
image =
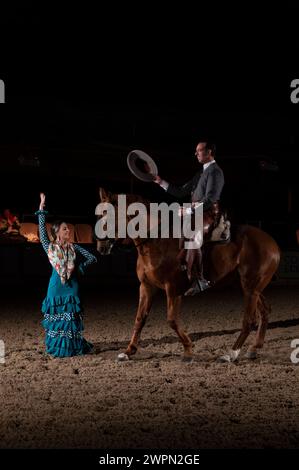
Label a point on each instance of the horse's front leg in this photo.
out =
(146, 293)
(174, 302)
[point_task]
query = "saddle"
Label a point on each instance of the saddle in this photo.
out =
(210, 219)
(221, 232)
(216, 229)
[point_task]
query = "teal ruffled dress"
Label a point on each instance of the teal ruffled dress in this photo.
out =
(63, 313)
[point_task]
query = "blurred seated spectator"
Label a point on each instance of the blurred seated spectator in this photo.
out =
(9, 223)
(3, 225)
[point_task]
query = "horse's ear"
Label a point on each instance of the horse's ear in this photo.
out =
(105, 196)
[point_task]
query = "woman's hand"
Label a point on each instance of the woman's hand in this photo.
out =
(81, 270)
(42, 201)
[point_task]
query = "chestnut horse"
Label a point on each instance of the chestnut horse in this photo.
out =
(251, 251)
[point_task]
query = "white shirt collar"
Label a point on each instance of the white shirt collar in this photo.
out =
(208, 164)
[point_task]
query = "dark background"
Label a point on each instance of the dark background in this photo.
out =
(86, 86)
(69, 149)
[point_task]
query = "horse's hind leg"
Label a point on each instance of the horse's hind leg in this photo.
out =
(248, 323)
(263, 315)
(146, 293)
(173, 317)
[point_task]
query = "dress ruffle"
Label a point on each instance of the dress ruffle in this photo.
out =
(61, 304)
(65, 347)
(63, 323)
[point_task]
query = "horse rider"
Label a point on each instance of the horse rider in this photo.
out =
(205, 187)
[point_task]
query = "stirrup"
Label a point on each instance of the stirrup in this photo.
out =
(203, 284)
(199, 285)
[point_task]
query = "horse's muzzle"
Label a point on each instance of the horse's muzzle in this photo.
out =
(104, 247)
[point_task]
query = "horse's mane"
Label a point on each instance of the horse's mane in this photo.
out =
(131, 198)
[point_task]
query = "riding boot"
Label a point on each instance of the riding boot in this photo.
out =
(200, 267)
(200, 283)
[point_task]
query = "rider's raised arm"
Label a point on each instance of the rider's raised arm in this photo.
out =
(181, 192)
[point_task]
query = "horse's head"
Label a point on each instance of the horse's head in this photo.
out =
(117, 210)
(105, 245)
(108, 201)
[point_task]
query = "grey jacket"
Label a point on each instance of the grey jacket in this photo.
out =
(204, 187)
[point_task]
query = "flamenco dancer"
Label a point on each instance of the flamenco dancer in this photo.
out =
(63, 314)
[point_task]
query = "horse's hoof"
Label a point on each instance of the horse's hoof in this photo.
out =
(232, 356)
(187, 359)
(251, 355)
(122, 357)
(225, 358)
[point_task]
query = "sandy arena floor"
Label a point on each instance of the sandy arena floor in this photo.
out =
(154, 400)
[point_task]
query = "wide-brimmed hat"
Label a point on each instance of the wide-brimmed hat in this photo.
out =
(142, 165)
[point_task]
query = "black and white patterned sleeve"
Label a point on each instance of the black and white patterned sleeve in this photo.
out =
(43, 235)
(89, 258)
